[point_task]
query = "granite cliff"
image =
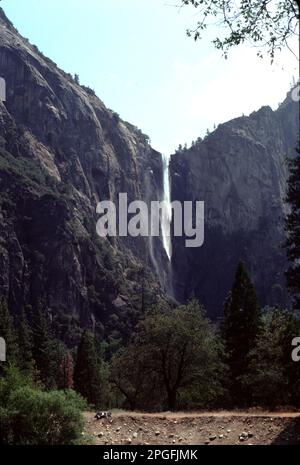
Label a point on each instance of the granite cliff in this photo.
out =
(61, 152)
(240, 172)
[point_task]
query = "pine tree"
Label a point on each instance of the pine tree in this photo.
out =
(292, 226)
(242, 321)
(26, 362)
(7, 331)
(66, 369)
(87, 370)
(44, 346)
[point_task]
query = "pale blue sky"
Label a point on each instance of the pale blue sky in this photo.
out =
(136, 56)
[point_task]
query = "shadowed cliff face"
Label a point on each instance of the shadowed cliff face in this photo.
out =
(61, 152)
(240, 172)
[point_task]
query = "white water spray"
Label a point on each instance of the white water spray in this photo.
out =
(167, 211)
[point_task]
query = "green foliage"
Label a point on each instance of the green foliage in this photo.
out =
(10, 380)
(242, 320)
(87, 379)
(25, 342)
(265, 378)
(267, 24)
(7, 331)
(172, 355)
(116, 117)
(291, 330)
(46, 418)
(29, 171)
(65, 372)
(292, 226)
(89, 90)
(44, 349)
(143, 138)
(272, 376)
(30, 416)
(131, 372)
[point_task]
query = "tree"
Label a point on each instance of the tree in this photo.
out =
(292, 226)
(264, 23)
(7, 331)
(30, 416)
(66, 369)
(266, 380)
(242, 321)
(132, 374)
(87, 370)
(272, 378)
(177, 353)
(291, 330)
(44, 348)
(25, 362)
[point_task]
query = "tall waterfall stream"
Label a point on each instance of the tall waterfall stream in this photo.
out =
(167, 211)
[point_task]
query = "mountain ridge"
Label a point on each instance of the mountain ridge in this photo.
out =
(240, 171)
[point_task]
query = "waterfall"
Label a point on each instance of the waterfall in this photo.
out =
(167, 210)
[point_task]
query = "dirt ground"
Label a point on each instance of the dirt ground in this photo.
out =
(194, 428)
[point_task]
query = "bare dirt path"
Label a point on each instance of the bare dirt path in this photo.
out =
(195, 428)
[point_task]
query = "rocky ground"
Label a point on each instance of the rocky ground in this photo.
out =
(198, 428)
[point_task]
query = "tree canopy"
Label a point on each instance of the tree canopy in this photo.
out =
(266, 24)
(241, 325)
(292, 226)
(173, 356)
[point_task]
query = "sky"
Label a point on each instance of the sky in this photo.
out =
(135, 54)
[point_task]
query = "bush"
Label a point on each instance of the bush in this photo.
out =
(42, 418)
(30, 416)
(12, 379)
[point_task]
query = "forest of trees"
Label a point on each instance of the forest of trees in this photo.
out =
(175, 359)
(293, 228)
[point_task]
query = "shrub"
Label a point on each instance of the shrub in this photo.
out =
(30, 416)
(44, 418)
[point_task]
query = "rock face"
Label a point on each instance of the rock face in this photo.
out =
(240, 172)
(61, 152)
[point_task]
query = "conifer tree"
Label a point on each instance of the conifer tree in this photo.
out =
(66, 369)
(87, 380)
(44, 346)
(242, 320)
(292, 226)
(25, 341)
(7, 332)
